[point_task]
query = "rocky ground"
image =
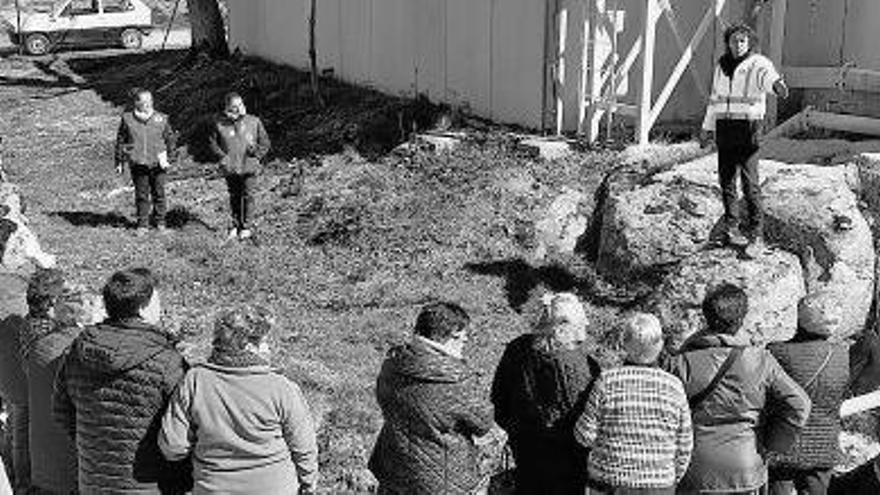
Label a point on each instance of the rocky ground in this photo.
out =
(353, 235)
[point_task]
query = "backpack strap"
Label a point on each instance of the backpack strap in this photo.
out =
(819, 370)
(700, 396)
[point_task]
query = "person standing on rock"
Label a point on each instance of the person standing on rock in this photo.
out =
(734, 119)
(248, 428)
(540, 387)
(821, 367)
(240, 143)
(433, 411)
(636, 420)
(731, 386)
(146, 142)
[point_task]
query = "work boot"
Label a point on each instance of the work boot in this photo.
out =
(141, 231)
(757, 247)
(231, 235)
(245, 234)
(735, 238)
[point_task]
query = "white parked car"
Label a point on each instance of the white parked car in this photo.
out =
(81, 23)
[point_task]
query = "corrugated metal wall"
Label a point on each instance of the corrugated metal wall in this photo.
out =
(487, 55)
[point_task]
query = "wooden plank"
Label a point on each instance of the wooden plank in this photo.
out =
(562, 22)
(679, 42)
(643, 124)
(792, 126)
(845, 123)
(684, 61)
(833, 78)
(777, 40)
(859, 404)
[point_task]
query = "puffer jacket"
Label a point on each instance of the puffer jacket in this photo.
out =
(53, 456)
(728, 452)
(432, 413)
(13, 382)
(538, 393)
(818, 445)
(141, 141)
(240, 145)
(110, 394)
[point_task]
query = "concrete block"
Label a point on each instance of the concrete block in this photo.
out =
(547, 148)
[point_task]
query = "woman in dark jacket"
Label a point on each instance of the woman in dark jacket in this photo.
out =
(432, 411)
(821, 367)
(539, 390)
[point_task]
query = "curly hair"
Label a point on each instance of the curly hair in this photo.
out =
(44, 291)
(241, 325)
(128, 291)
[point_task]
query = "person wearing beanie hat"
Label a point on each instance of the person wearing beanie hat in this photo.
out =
(540, 386)
(432, 408)
(247, 427)
(734, 119)
(636, 420)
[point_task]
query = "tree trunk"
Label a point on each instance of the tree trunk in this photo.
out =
(208, 29)
(313, 56)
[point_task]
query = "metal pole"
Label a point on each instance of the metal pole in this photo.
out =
(18, 27)
(170, 24)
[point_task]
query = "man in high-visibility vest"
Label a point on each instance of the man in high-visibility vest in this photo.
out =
(734, 119)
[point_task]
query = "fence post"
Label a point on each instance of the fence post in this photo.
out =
(643, 126)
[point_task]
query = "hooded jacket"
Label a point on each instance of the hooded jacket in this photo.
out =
(240, 144)
(53, 456)
(140, 141)
(110, 393)
(432, 412)
(538, 392)
(728, 451)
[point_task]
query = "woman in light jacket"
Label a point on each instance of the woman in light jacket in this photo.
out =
(249, 429)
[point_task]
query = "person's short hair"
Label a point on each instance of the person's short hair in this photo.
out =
(563, 308)
(230, 96)
(241, 325)
(439, 321)
(44, 290)
(740, 28)
(642, 338)
(136, 93)
(127, 292)
(724, 308)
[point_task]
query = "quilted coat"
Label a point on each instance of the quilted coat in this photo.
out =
(817, 446)
(239, 145)
(430, 402)
(538, 393)
(110, 393)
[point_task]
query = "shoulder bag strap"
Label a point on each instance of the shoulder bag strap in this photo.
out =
(699, 397)
(819, 370)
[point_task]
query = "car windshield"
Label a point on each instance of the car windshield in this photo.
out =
(80, 7)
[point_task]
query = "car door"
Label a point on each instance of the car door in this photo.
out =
(79, 17)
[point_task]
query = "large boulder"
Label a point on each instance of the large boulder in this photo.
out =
(773, 281)
(814, 211)
(650, 221)
(562, 224)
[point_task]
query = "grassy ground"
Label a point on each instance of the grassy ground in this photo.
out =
(348, 250)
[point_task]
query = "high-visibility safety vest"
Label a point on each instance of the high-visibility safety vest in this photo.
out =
(743, 96)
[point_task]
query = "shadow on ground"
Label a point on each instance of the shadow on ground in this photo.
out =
(522, 278)
(93, 219)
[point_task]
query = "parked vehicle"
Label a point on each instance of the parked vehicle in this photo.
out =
(81, 23)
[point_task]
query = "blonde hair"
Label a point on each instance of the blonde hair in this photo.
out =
(563, 319)
(642, 338)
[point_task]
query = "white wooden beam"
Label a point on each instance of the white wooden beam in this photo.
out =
(643, 124)
(859, 404)
(679, 41)
(845, 123)
(562, 23)
(833, 78)
(684, 61)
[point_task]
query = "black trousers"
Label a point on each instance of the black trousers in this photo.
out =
(149, 182)
(737, 156)
(241, 198)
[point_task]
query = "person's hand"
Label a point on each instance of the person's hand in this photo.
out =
(120, 168)
(781, 89)
(706, 138)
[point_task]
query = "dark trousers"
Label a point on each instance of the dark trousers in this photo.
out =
(149, 182)
(737, 155)
(804, 481)
(241, 198)
(619, 490)
(21, 461)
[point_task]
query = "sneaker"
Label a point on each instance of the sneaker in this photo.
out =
(161, 229)
(245, 234)
(141, 231)
(232, 235)
(756, 248)
(736, 238)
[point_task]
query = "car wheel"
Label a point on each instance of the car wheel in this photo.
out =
(131, 39)
(37, 44)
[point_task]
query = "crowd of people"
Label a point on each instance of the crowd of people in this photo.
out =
(100, 400)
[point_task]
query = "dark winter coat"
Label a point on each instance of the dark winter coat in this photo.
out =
(818, 445)
(728, 448)
(110, 394)
(13, 382)
(432, 412)
(53, 456)
(140, 141)
(239, 145)
(538, 393)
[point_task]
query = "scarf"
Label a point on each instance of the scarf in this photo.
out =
(729, 63)
(143, 116)
(235, 358)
